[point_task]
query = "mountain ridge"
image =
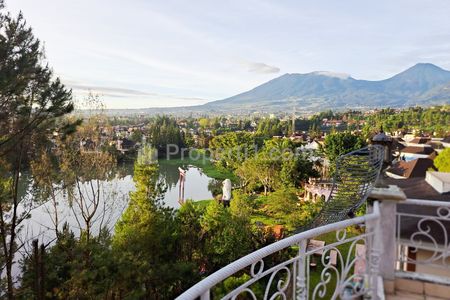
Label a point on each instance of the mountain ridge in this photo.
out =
(421, 84)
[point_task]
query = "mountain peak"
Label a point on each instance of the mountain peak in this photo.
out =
(423, 72)
(423, 83)
(425, 67)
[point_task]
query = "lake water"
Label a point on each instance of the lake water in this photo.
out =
(113, 201)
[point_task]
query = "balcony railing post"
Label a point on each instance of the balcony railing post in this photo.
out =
(388, 197)
(302, 289)
(374, 244)
(206, 295)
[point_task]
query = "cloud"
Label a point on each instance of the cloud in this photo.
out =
(109, 90)
(112, 97)
(261, 68)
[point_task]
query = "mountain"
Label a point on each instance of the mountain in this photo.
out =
(423, 84)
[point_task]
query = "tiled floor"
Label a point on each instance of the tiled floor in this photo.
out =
(410, 296)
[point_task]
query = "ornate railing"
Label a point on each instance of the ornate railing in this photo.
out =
(422, 234)
(344, 267)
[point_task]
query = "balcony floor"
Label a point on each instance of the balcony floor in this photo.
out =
(409, 289)
(411, 296)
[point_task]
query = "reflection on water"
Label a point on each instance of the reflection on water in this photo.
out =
(114, 200)
(198, 186)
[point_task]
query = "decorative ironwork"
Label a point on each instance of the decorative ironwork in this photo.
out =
(355, 176)
(291, 278)
(423, 239)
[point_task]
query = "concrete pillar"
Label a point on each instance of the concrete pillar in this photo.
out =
(385, 231)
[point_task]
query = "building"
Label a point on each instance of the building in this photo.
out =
(414, 152)
(446, 142)
(125, 145)
(408, 169)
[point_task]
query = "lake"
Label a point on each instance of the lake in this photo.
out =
(113, 200)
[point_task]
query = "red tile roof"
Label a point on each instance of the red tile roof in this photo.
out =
(417, 150)
(414, 168)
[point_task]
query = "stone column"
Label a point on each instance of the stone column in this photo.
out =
(386, 230)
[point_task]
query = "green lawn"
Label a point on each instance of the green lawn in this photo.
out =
(205, 164)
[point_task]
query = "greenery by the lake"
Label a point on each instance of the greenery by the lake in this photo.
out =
(201, 159)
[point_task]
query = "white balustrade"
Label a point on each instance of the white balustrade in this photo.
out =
(422, 235)
(306, 273)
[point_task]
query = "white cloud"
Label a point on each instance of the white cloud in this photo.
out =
(120, 98)
(262, 68)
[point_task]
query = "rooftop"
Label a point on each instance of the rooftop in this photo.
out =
(413, 168)
(417, 150)
(417, 188)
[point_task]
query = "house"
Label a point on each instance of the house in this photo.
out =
(311, 146)
(420, 140)
(436, 145)
(414, 152)
(125, 145)
(408, 169)
(446, 142)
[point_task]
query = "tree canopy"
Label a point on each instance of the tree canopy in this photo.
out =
(442, 161)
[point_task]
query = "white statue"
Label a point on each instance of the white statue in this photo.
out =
(226, 192)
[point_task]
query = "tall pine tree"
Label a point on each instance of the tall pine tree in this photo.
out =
(30, 101)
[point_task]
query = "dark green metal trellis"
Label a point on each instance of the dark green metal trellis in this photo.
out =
(356, 175)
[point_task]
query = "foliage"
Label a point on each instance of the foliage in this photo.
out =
(188, 217)
(270, 127)
(285, 206)
(31, 101)
(66, 272)
(226, 233)
(231, 149)
(234, 282)
(276, 165)
(434, 120)
(147, 240)
(442, 161)
(282, 205)
(164, 131)
(339, 143)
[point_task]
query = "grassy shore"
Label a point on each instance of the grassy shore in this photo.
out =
(203, 162)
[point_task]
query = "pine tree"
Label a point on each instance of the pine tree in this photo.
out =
(30, 102)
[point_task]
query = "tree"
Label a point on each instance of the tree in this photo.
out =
(276, 165)
(285, 206)
(84, 176)
(146, 240)
(188, 217)
(85, 167)
(260, 170)
(232, 148)
(30, 103)
(340, 143)
(226, 233)
(442, 161)
(164, 131)
(48, 185)
(63, 272)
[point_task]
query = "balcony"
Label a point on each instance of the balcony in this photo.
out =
(398, 250)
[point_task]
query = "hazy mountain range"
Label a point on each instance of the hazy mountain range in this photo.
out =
(423, 84)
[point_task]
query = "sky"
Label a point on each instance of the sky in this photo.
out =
(144, 53)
